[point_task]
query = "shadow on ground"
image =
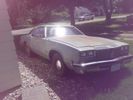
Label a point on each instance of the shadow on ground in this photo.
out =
(74, 86)
(86, 87)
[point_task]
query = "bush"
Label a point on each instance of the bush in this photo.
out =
(60, 13)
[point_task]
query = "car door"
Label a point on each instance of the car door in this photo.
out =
(36, 40)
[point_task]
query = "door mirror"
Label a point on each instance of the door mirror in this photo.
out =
(38, 35)
(38, 32)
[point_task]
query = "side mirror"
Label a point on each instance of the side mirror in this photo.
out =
(38, 35)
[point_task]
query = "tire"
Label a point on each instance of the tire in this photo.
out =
(58, 65)
(28, 50)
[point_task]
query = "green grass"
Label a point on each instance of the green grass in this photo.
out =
(117, 26)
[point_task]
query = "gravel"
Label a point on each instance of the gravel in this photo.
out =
(33, 72)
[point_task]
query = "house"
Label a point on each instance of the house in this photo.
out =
(9, 72)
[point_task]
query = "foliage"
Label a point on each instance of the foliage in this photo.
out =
(125, 6)
(61, 13)
(39, 11)
(39, 14)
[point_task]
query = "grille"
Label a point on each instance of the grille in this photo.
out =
(106, 54)
(103, 54)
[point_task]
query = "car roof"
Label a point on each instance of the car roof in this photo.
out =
(56, 24)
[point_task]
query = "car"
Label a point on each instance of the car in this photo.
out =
(85, 17)
(70, 49)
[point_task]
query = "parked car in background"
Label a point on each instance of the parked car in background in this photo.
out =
(85, 17)
(68, 48)
(82, 13)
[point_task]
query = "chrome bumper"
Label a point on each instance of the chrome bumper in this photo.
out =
(123, 58)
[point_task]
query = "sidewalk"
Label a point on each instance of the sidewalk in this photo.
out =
(36, 93)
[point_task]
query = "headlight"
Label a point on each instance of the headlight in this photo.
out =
(91, 53)
(83, 54)
(125, 48)
(88, 53)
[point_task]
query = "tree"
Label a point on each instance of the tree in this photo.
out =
(125, 6)
(108, 9)
(71, 8)
(108, 6)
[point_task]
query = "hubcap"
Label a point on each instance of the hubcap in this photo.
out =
(58, 64)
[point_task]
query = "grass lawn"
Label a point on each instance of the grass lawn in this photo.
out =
(101, 28)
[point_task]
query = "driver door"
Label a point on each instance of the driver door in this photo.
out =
(36, 40)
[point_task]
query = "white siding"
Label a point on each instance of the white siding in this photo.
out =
(3, 5)
(9, 73)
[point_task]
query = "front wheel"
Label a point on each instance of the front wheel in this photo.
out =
(58, 65)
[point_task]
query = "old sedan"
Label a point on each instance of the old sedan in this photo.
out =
(68, 48)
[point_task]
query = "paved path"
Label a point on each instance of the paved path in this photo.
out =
(36, 93)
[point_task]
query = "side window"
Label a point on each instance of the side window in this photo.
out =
(38, 32)
(49, 31)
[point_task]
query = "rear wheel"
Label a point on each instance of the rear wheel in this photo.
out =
(58, 65)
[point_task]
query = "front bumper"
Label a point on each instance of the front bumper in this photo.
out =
(102, 65)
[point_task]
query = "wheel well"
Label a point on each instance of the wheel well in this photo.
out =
(52, 52)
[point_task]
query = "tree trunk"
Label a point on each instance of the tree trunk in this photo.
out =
(108, 9)
(72, 19)
(71, 7)
(108, 17)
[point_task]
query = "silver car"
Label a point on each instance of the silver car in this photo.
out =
(85, 17)
(68, 48)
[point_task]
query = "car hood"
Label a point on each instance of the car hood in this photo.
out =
(80, 41)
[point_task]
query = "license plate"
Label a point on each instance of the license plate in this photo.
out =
(115, 67)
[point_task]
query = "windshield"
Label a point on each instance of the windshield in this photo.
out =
(58, 31)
